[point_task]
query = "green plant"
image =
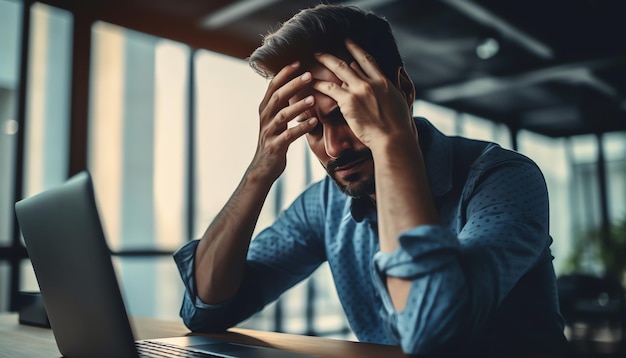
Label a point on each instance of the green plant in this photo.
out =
(592, 253)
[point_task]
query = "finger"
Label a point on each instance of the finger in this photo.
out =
(331, 89)
(279, 98)
(366, 62)
(291, 134)
(339, 67)
(357, 69)
(285, 75)
(293, 111)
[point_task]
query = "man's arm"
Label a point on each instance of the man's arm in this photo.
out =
(403, 200)
(221, 254)
(379, 113)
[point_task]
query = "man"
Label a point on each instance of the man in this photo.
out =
(437, 244)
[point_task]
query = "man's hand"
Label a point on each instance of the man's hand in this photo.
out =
(376, 110)
(275, 113)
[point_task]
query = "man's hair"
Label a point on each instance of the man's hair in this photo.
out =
(324, 28)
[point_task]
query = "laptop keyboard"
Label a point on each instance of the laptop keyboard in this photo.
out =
(151, 349)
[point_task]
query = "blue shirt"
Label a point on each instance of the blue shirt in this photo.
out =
(483, 279)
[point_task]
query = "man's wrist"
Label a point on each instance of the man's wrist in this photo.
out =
(391, 149)
(259, 176)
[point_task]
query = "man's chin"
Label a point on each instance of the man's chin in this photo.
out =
(358, 189)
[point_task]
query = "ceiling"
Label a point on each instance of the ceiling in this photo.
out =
(559, 68)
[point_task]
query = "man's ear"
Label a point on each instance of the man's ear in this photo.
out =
(405, 84)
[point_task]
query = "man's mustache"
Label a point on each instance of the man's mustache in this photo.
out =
(348, 156)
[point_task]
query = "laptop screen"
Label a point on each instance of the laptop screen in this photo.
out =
(72, 263)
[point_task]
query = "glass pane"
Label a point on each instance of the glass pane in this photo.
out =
(10, 27)
(228, 97)
(615, 153)
(48, 112)
(551, 156)
(444, 119)
(28, 280)
(482, 129)
(137, 137)
(151, 286)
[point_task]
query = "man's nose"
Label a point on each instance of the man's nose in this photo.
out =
(337, 137)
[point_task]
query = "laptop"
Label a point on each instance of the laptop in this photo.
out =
(73, 267)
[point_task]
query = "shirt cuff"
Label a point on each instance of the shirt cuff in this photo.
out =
(427, 256)
(185, 261)
(422, 250)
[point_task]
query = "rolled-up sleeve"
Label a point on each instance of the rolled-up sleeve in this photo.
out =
(196, 314)
(427, 257)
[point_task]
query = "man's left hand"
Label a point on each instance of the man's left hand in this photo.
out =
(377, 111)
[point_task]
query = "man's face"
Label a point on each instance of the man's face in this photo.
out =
(346, 159)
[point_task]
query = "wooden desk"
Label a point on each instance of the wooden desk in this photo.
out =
(18, 340)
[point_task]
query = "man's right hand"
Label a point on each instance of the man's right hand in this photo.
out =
(275, 113)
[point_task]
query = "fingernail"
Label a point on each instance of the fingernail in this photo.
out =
(306, 76)
(312, 120)
(295, 64)
(308, 100)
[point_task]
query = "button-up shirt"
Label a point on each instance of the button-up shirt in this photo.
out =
(482, 280)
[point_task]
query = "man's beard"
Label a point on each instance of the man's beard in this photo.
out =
(358, 186)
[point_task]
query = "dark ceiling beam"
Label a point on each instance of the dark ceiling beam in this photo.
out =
(175, 29)
(488, 19)
(147, 20)
(234, 12)
(580, 72)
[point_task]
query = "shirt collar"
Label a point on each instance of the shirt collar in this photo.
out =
(361, 208)
(437, 152)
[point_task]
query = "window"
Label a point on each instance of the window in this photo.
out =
(141, 157)
(137, 156)
(137, 137)
(46, 116)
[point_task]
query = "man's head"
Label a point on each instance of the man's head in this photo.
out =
(324, 29)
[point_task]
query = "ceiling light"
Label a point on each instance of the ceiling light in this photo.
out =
(487, 48)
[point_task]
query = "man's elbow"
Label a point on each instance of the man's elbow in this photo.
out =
(435, 323)
(197, 320)
(202, 325)
(435, 336)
